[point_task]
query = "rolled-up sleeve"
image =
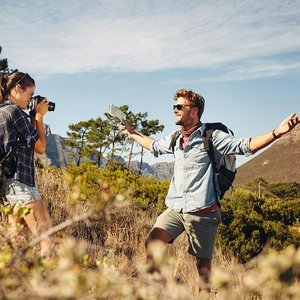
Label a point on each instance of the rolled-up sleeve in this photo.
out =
(162, 146)
(228, 144)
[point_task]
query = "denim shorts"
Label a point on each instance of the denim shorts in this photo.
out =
(19, 193)
(201, 229)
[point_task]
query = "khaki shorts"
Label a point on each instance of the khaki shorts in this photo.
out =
(201, 229)
(19, 193)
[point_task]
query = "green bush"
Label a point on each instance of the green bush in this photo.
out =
(249, 223)
(147, 192)
(282, 190)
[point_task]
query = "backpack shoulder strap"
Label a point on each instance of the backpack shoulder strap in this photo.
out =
(208, 146)
(207, 137)
(174, 138)
(207, 141)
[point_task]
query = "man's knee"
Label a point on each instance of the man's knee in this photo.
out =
(158, 234)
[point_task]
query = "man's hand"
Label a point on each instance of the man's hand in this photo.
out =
(284, 127)
(141, 139)
(287, 124)
(126, 128)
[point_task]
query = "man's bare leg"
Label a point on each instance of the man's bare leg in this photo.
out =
(156, 234)
(204, 271)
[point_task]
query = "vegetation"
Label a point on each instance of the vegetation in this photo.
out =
(3, 64)
(104, 216)
(250, 223)
(91, 139)
(4, 69)
(101, 218)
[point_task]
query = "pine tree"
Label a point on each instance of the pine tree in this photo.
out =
(78, 139)
(4, 70)
(97, 138)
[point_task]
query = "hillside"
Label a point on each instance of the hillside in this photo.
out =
(280, 162)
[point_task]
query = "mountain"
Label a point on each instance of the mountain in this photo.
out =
(279, 162)
(55, 152)
(162, 170)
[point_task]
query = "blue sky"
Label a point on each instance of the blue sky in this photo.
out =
(242, 56)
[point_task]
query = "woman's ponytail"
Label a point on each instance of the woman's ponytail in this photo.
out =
(3, 88)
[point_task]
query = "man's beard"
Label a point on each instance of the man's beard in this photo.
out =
(179, 121)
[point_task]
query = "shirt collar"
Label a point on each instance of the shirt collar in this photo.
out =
(7, 101)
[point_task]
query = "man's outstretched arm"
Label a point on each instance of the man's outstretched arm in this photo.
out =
(143, 140)
(284, 127)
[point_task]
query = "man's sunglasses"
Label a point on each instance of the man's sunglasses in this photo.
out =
(181, 106)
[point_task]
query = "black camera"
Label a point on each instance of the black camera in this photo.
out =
(38, 98)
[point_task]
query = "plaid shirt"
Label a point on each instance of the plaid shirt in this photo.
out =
(14, 123)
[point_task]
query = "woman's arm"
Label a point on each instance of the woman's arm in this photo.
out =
(41, 109)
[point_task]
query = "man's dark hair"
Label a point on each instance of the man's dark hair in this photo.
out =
(194, 98)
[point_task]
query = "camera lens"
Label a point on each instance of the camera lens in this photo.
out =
(51, 106)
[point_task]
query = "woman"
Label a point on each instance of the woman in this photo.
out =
(17, 90)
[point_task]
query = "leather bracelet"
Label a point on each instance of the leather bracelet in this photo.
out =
(274, 135)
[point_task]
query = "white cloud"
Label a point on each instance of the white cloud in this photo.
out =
(48, 37)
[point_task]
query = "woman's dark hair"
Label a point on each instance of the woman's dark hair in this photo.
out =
(194, 98)
(7, 83)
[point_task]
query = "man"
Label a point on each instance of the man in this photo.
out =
(192, 204)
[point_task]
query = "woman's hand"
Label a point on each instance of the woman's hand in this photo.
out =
(41, 107)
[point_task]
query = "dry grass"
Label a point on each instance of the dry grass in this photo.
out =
(103, 257)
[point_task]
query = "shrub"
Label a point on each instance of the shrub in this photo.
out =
(249, 223)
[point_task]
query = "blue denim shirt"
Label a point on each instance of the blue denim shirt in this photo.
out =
(192, 186)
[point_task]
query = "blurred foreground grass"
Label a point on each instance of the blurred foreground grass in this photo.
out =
(102, 256)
